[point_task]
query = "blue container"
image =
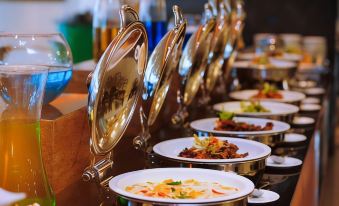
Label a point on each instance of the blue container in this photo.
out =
(57, 80)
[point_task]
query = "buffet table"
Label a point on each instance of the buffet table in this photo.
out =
(69, 153)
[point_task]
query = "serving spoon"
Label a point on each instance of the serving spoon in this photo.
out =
(278, 159)
(257, 192)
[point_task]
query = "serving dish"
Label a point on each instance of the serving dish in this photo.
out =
(171, 149)
(277, 111)
(289, 162)
(267, 197)
(120, 182)
(285, 56)
(251, 166)
(288, 96)
(268, 137)
(276, 70)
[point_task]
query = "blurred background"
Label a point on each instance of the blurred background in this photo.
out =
(307, 17)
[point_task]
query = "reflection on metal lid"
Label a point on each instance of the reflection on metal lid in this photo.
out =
(116, 83)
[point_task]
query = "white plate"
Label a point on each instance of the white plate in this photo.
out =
(303, 120)
(274, 64)
(293, 137)
(276, 108)
(309, 67)
(310, 107)
(120, 182)
(285, 56)
(172, 148)
(207, 125)
(246, 55)
(311, 100)
(267, 196)
(288, 96)
(315, 91)
(291, 57)
(289, 162)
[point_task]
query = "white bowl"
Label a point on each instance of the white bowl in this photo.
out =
(310, 107)
(249, 56)
(275, 64)
(207, 125)
(311, 100)
(171, 149)
(294, 137)
(288, 96)
(120, 182)
(303, 120)
(315, 91)
(276, 109)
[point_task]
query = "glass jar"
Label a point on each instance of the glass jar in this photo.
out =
(153, 15)
(21, 166)
(105, 25)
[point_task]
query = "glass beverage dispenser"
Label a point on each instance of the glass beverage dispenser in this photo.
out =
(21, 166)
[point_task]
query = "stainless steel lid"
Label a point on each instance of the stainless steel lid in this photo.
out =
(194, 59)
(161, 66)
(218, 44)
(116, 83)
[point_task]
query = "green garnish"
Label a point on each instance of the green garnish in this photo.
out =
(269, 88)
(183, 195)
(174, 183)
(226, 115)
(253, 107)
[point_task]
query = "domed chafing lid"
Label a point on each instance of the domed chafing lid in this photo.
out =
(116, 83)
(193, 62)
(161, 66)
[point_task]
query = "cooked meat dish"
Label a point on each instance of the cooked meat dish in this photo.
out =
(211, 148)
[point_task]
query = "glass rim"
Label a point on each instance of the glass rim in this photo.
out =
(23, 69)
(9, 34)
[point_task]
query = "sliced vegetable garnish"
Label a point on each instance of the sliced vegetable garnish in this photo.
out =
(226, 115)
(174, 183)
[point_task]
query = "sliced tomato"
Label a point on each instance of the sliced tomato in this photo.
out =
(161, 194)
(217, 192)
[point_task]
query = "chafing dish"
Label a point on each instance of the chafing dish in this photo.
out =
(252, 166)
(119, 183)
(276, 110)
(216, 57)
(193, 64)
(158, 76)
(269, 137)
(114, 88)
(277, 71)
(290, 97)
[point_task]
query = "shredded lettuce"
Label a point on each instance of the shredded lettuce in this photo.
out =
(226, 115)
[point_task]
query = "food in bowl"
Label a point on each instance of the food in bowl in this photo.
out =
(268, 92)
(211, 148)
(225, 122)
(181, 189)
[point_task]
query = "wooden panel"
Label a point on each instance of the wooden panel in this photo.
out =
(65, 140)
(306, 192)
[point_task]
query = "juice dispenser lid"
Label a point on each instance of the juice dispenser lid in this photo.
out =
(161, 66)
(116, 83)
